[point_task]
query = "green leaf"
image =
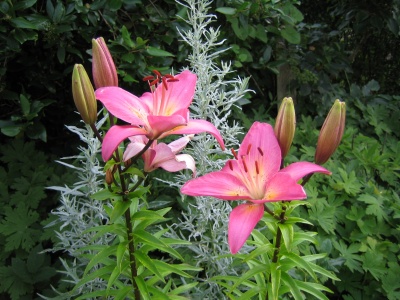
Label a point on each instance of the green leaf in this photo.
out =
(261, 34)
(99, 273)
(226, 10)
(158, 52)
(273, 288)
(126, 36)
(375, 207)
(300, 263)
(20, 22)
(147, 262)
(349, 254)
(100, 256)
(61, 54)
(374, 263)
(105, 194)
(290, 34)
(149, 239)
(313, 289)
(21, 5)
(287, 234)
(119, 209)
(289, 282)
(17, 226)
(144, 292)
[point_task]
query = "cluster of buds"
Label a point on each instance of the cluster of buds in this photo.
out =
(330, 135)
(104, 74)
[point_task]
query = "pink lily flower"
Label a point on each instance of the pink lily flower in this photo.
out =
(254, 175)
(162, 155)
(162, 112)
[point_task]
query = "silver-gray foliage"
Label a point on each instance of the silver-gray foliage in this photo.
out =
(78, 212)
(205, 221)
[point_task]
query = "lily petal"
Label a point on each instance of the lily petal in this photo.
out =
(198, 126)
(300, 169)
(179, 94)
(282, 186)
(242, 221)
(123, 105)
(218, 184)
(189, 161)
(161, 124)
(179, 144)
(115, 135)
(260, 145)
(133, 148)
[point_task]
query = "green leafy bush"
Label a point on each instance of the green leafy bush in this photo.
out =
(24, 173)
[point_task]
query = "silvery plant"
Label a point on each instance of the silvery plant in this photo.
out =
(204, 223)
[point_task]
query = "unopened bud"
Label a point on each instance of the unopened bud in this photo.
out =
(109, 176)
(103, 67)
(285, 125)
(83, 94)
(331, 132)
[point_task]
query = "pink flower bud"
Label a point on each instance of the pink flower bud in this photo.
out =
(83, 94)
(331, 132)
(103, 67)
(285, 125)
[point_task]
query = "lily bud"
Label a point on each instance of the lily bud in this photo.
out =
(331, 132)
(109, 177)
(285, 125)
(83, 94)
(103, 67)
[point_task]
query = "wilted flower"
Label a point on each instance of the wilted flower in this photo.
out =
(331, 132)
(285, 125)
(254, 175)
(103, 67)
(83, 94)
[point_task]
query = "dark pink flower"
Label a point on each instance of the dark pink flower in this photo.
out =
(163, 112)
(255, 176)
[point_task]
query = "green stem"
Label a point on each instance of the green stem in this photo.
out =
(131, 247)
(128, 219)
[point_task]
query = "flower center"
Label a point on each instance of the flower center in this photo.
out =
(160, 96)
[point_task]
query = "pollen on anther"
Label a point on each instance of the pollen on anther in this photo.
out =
(230, 165)
(147, 78)
(261, 152)
(244, 165)
(158, 74)
(257, 170)
(234, 153)
(248, 149)
(164, 81)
